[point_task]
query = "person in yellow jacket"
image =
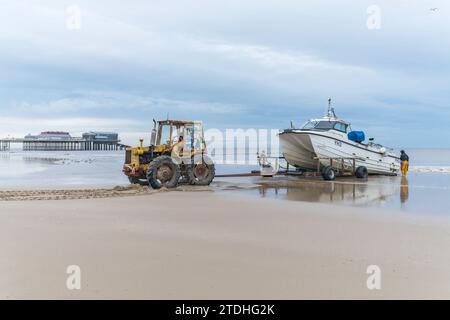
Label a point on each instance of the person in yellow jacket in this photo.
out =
(404, 162)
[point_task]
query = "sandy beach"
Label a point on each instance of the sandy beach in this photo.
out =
(224, 150)
(207, 245)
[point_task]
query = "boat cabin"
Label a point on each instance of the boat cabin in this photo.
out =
(326, 124)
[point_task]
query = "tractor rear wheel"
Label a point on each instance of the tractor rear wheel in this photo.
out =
(163, 172)
(201, 172)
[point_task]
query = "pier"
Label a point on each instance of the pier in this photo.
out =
(70, 145)
(62, 141)
(5, 145)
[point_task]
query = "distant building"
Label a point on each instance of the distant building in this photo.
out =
(60, 140)
(100, 136)
(50, 136)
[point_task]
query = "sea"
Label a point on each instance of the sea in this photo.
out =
(425, 190)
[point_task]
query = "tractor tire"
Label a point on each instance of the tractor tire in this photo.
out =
(201, 172)
(328, 173)
(361, 172)
(135, 180)
(163, 172)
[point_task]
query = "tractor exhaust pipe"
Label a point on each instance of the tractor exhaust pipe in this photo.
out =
(153, 137)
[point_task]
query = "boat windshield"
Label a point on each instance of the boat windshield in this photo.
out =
(325, 125)
(309, 125)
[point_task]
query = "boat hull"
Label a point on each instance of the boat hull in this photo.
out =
(298, 150)
(302, 148)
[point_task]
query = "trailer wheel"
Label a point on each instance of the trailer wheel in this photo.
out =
(163, 172)
(328, 173)
(361, 172)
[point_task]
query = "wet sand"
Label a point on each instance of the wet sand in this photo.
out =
(189, 245)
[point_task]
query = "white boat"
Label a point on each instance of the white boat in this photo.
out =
(331, 142)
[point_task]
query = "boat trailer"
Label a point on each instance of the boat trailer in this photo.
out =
(339, 166)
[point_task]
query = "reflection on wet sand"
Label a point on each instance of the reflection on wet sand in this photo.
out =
(5, 155)
(29, 158)
(356, 193)
(42, 160)
(404, 190)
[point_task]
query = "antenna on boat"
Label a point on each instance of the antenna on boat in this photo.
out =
(330, 111)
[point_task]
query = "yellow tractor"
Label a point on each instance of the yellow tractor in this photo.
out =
(177, 154)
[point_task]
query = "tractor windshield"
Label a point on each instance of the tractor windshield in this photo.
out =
(164, 134)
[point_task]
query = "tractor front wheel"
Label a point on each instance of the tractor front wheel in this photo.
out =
(163, 172)
(201, 172)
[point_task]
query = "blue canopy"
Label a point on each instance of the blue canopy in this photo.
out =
(357, 136)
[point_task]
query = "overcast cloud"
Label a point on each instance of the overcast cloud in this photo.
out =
(229, 63)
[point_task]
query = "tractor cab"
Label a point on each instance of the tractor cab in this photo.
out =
(167, 134)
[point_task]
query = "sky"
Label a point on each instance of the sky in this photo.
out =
(114, 65)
